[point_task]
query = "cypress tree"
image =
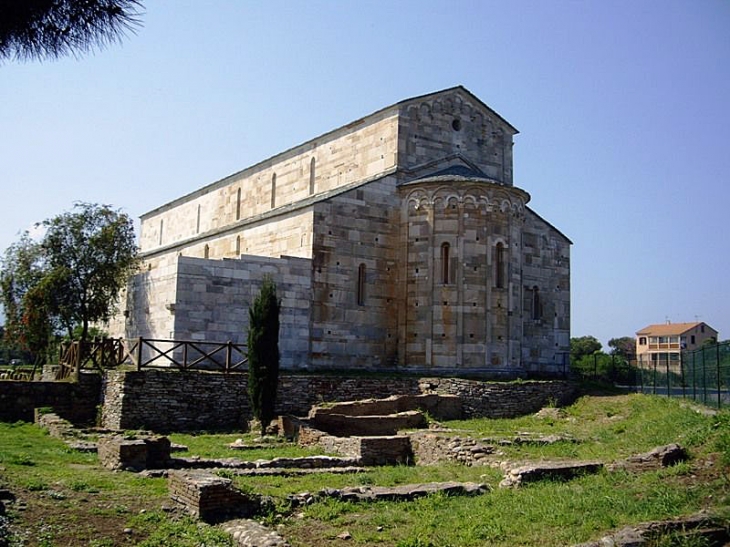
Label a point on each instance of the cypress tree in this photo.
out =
(263, 353)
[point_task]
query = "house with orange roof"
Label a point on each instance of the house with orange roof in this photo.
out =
(664, 342)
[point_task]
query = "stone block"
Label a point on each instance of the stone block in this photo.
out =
(210, 497)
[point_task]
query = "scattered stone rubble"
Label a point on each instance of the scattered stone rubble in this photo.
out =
(548, 470)
(249, 533)
(712, 530)
(406, 492)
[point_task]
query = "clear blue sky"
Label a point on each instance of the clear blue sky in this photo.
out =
(623, 109)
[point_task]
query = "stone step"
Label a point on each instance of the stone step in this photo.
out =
(548, 470)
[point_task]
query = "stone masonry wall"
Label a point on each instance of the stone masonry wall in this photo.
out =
(164, 401)
(73, 402)
(502, 400)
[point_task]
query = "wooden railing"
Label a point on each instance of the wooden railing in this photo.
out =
(153, 353)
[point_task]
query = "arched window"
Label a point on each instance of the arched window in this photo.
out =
(499, 266)
(238, 245)
(238, 204)
(273, 190)
(197, 222)
(445, 262)
(536, 306)
(361, 285)
(206, 251)
(312, 165)
(162, 224)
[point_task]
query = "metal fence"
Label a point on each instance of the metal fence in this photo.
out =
(702, 374)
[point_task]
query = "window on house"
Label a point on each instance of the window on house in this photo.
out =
(312, 165)
(692, 339)
(445, 259)
(238, 204)
(361, 285)
(642, 340)
(499, 274)
(273, 190)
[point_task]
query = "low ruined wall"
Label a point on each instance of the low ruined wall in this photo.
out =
(502, 400)
(175, 401)
(75, 402)
(171, 400)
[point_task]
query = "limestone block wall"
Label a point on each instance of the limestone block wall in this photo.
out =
(436, 127)
(358, 151)
(355, 276)
(143, 309)
(463, 274)
(546, 295)
(214, 296)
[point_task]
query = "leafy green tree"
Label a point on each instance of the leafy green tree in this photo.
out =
(71, 278)
(43, 29)
(263, 353)
(582, 346)
(29, 325)
(624, 346)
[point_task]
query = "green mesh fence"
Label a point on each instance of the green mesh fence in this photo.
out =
(702, 375)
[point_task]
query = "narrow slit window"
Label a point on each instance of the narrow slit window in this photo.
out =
(445, 262)
(499, 265)
(162, 225)
(238, 204)
(206, 251)
(361, 285)
(238, 245)
(312, 166)
(197, 222)
(536, 306)
(273, 190)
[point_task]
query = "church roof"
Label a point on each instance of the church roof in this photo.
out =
(374, 116)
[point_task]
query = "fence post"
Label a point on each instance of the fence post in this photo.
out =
(717, 365)
(694, 377)
(669, 381)
(653, 389)
(229, 349)
(704, 378)
(681, 373)
(139, 354)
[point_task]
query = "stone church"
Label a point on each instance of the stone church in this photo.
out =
(397, 242)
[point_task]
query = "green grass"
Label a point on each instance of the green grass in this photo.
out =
(71, 491)
(216, 446)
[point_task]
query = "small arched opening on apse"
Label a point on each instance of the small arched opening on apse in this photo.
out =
(499, 265)
(273, 190)
(445, 262)
(536, 311)
(238, 246)
(197, 222)
(162, 225)
(312, 167)
(361, 285)
(238, 204)
(206, 251)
